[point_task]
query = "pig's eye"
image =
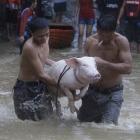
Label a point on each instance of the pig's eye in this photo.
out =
(84, 65)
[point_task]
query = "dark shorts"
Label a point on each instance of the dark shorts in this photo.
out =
(101, 106)
(132, 29)
(90, 21)
(60, 7)
(30, 102)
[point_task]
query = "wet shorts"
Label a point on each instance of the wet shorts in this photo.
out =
(101, 106)
(30, 102)
(86, 21)
(60, 7)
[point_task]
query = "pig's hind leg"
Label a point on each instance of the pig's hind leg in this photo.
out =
(70, 96)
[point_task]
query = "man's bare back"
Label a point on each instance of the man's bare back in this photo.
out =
(111, 52)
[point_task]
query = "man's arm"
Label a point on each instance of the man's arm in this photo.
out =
(125, 59)
(37, 66)
(121, 12)
(49, 62)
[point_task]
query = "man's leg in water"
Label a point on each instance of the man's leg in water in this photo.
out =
(30, 101)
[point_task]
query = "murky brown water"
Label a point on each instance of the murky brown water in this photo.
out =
(69, 128)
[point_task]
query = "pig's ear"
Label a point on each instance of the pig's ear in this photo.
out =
(73, 62)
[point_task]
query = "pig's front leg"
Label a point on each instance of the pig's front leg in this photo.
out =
(69, 94)
(82, 93)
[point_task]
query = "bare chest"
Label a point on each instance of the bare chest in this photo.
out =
(43, 54)
(109, 53)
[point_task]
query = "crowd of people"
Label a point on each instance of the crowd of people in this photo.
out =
(118, 31)
(16, 14)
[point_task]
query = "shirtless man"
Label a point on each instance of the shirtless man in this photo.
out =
(32, 80)
(103, 100)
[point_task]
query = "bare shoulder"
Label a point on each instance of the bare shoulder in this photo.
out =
(121, 38)
(28, 49)
(91, 40)
(124, 49)
(122, 41)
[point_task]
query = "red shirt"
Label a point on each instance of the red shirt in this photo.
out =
(26, 13)
(18, 2)
(132, 8)
(86, 9)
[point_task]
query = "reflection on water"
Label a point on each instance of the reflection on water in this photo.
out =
(69, 127)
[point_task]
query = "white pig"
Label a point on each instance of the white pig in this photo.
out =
(79, 73)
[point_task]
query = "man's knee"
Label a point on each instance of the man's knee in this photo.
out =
(89, 113)
(82, 117)
(25, 113)
(37, 109)
(89, 118)
(112, 113)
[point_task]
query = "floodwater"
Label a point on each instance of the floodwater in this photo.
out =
(69, 128)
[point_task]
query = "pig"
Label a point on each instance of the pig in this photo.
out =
(76, 74)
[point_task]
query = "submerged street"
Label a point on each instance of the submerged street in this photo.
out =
(69, 127)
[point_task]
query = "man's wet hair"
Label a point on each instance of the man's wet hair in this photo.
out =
(106, 23)
(38, 23)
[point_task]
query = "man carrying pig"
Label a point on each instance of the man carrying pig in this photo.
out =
(103, 100)
(29, 99)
